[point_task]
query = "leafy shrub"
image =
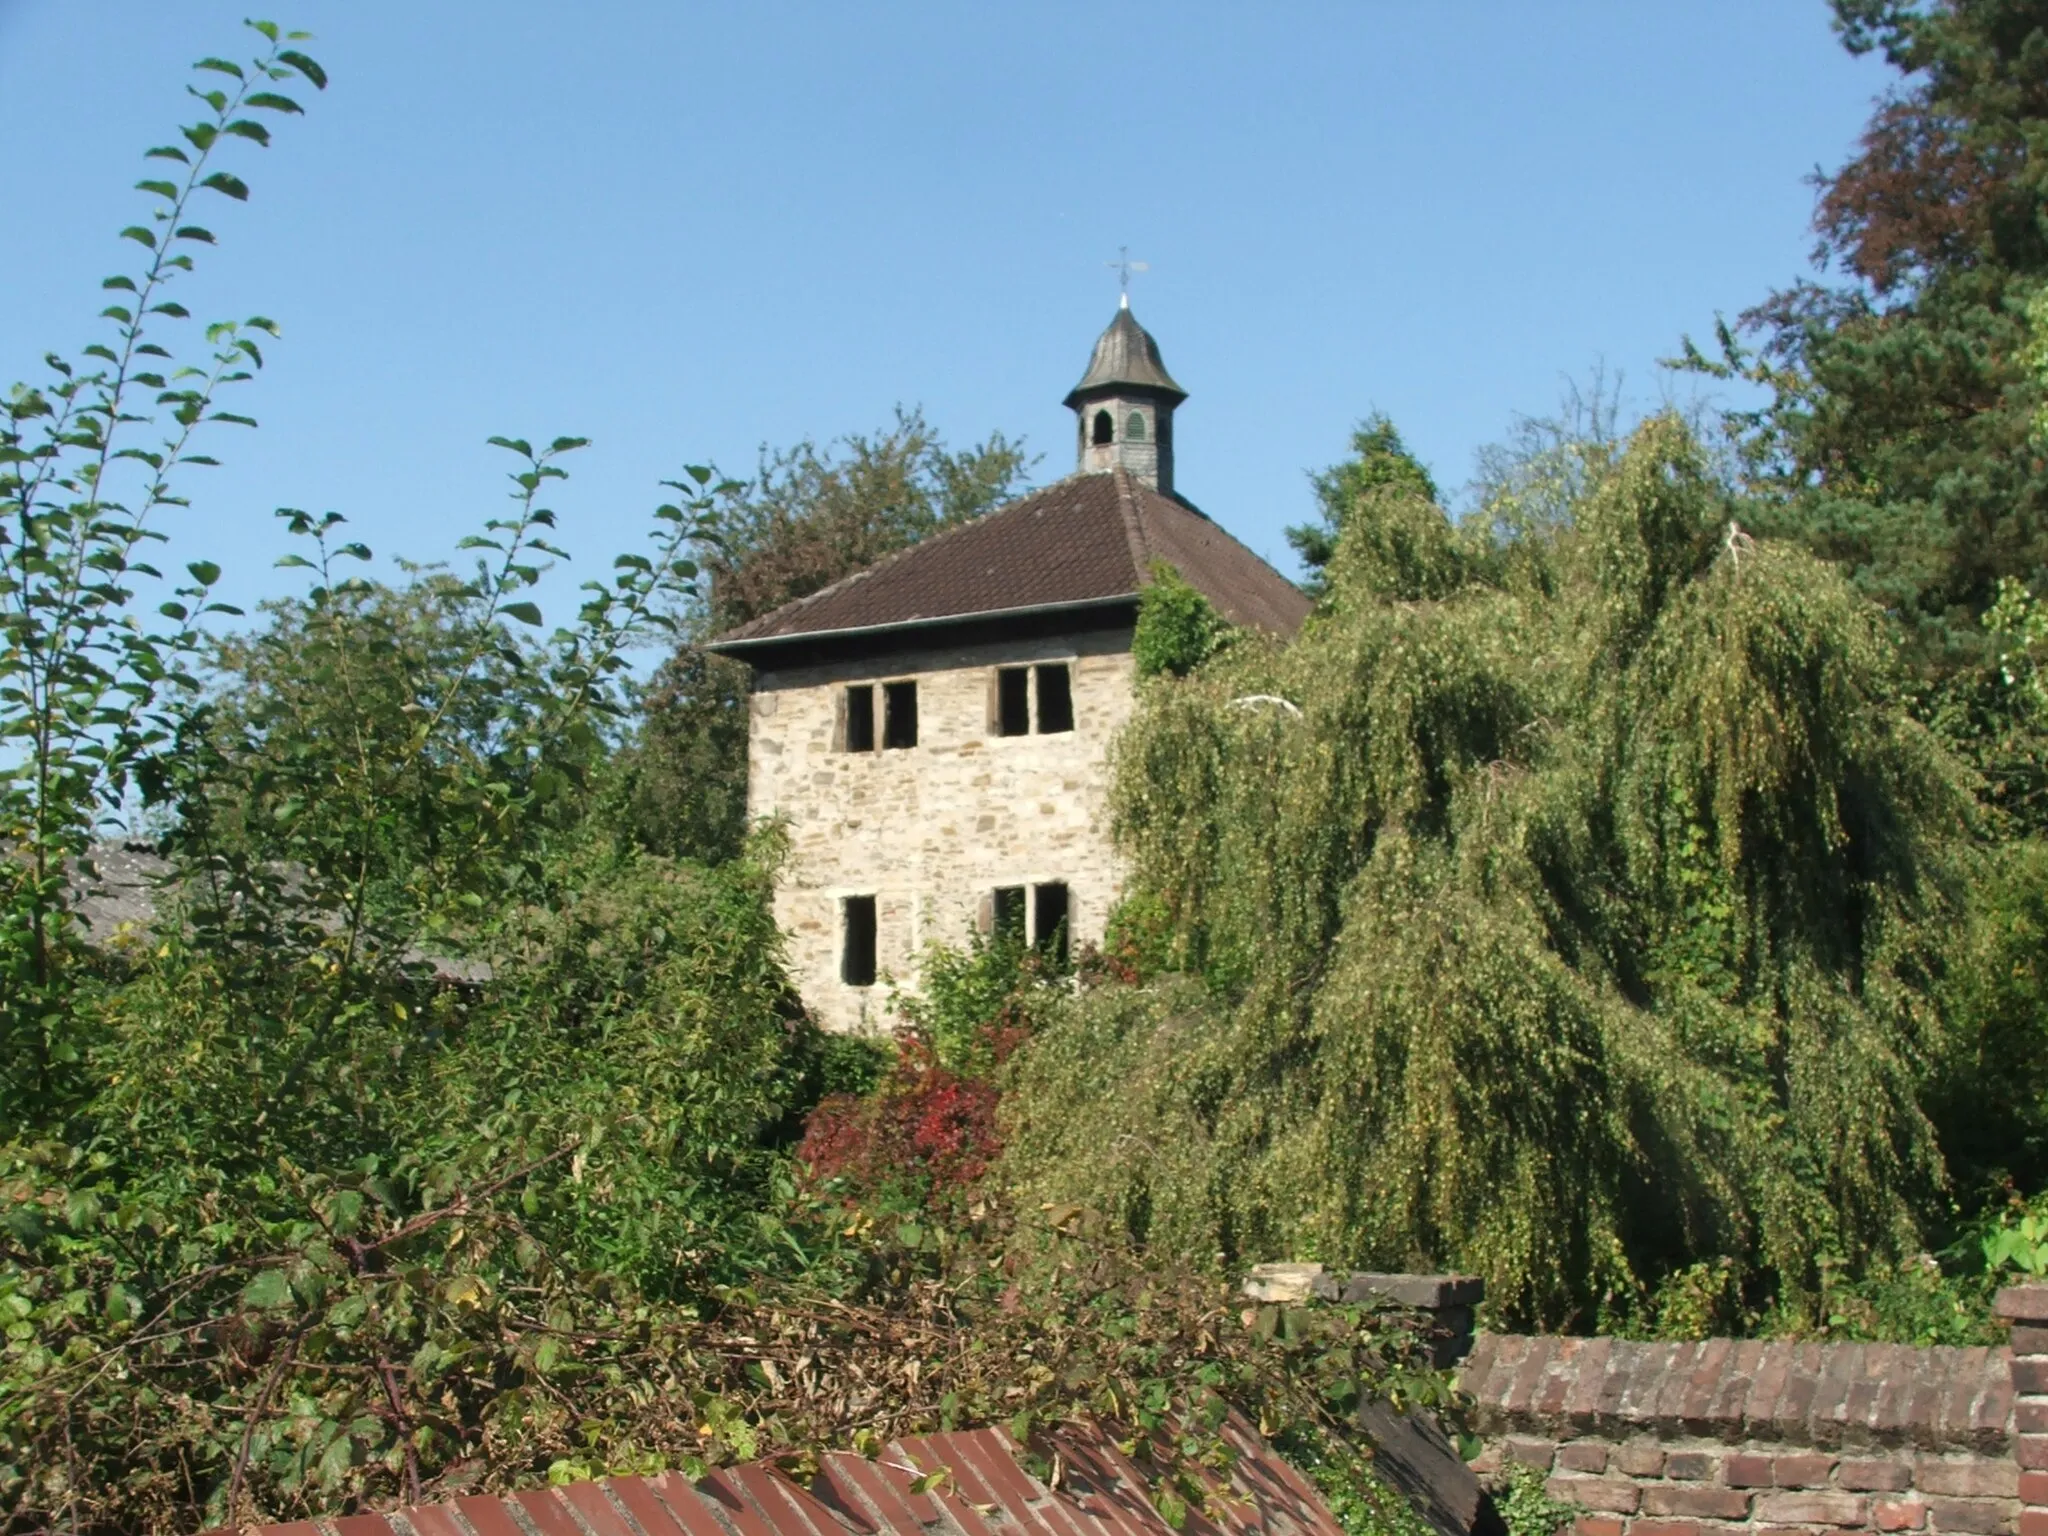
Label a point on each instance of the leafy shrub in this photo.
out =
(1178, 628)
(925, 1133)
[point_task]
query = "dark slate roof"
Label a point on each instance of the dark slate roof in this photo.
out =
(1085, 541)
(987, 1490)
(1125, 355)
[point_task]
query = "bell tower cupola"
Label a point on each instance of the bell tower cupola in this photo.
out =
(1125, 404)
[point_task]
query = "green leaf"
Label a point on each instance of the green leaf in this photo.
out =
(267, 1288)
(194, 232)
(304, 66)
(566, 444)
(515, 444)
(220, 67)
(270, 101)
(160, 188)
(139, 235)
(230, 186)
(525, 613)
(126, 284)
(205, 572)
(168, 152)
(267, 28)
(242, 128)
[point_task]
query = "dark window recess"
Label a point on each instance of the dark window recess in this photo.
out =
(899, 714)
(1105, 429)
(1050, 921)
(1008, 910)
(860, 718)
(857, 941)
(1013, 701)
(1055, 699)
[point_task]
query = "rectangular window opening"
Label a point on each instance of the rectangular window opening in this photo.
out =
(859, 734)
(857, 941)
(1013, 701)
(1008, 910)
(1049, 921)
(1055, 698)
(899, 714)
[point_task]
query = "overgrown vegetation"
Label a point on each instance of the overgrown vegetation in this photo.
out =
(1582, 918)
(438, 1133)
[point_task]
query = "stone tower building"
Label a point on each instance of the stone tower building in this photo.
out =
(935, 729)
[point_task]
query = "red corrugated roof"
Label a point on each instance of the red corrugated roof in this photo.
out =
(1085, 539)
(987, 1491)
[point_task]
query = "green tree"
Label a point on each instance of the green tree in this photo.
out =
(810, 516)
(1577, 920)
(1898, 437)
(90, 461)
(1380, 463)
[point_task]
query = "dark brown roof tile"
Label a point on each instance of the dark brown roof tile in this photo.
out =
(1086, 539)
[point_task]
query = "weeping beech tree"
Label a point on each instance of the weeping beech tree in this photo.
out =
(1562, 906)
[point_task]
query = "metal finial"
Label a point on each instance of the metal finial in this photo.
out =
(1124, 268)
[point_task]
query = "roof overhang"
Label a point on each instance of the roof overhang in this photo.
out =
(759, 648)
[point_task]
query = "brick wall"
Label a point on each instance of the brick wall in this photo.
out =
(1657, 1439)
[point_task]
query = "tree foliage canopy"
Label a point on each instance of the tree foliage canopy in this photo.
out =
(1582, 922)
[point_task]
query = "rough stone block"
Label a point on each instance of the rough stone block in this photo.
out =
(1598, 1525)
(2022, 1304)
(1812, 1508)
(1609, 1495)
(2029, 1339)
(2034, 1487)
(1977, 1517)
(1430, 1293)
(1639, 1458)
(1282, 1282)
(1746, 1471)
(1664, 1528)
(2030, 1375)
(1875, 1476)
(1582, 1456)
(1801, 1471)
(1701, 1503)
(2031, 1452)
(1900, 1514)
(1691, 1466)
(1528, 1452)
(1971, 1478)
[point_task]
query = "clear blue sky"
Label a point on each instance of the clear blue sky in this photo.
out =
(685, 230)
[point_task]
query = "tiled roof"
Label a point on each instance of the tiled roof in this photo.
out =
(987, 1492)
(1089, 538)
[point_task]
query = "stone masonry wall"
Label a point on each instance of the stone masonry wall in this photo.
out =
(930, 830)
(1749, 1436)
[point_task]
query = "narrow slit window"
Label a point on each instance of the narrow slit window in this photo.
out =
(1013, 701)
(857, 941)
(860, 718)
(1055, 698)
(1049, 921)
(1008, 913)
(899, 714)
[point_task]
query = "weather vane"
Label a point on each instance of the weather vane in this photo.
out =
(1124, 268)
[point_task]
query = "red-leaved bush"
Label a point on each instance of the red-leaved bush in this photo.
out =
(924, 1124)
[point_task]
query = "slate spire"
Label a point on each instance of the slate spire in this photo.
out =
(1124, 405)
